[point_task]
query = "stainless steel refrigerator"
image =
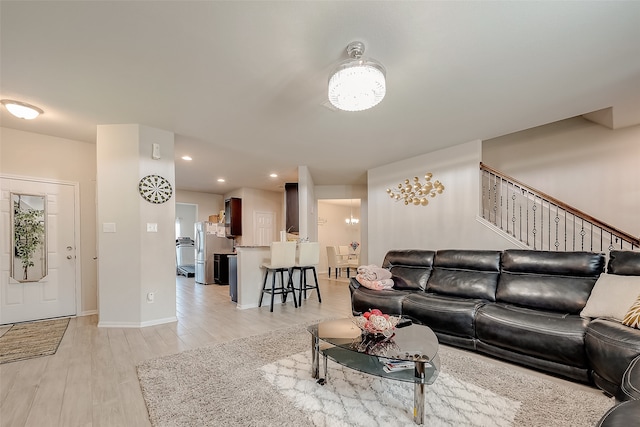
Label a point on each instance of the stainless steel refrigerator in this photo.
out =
(207, 243)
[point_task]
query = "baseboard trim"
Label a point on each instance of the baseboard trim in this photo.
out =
(88, 313)
(159, 321)
(246, 306)
(137, 324)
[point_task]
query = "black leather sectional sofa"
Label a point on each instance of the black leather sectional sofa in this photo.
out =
(519, 305)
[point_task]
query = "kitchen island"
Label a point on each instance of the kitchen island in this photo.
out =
(250, 275)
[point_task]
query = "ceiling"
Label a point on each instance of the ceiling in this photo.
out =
(243, 85)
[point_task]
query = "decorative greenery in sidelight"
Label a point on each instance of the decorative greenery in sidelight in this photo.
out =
(28, 233)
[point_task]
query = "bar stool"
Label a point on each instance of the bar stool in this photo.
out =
(308, 258)
(283, 258)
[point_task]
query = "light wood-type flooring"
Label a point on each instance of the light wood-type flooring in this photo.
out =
(91, 380)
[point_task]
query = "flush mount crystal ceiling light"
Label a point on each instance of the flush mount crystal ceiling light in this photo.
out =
(358, 83)
(22, 110)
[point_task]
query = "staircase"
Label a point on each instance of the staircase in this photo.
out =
(542, 222)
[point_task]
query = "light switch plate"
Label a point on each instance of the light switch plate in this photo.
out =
(152, 227)
(109, 227)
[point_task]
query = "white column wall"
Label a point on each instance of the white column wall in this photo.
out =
(131, 261)
(157, 250)
(307, 206)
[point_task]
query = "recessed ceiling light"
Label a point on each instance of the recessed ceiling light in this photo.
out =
(221, 180)
(22, 110)
(186, 158)
(274, 175)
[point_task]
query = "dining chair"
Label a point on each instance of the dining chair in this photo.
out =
(335, 261)
(350, 259)
(283, 259)
(308, 258)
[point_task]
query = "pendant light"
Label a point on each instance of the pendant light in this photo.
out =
(351, 220)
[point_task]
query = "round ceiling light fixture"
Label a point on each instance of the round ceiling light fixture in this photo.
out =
(21, 110)
(358, 83)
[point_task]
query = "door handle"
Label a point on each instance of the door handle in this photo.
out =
(69, 257)
(69, 248)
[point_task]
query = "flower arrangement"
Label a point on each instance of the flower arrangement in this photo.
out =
(376, 322)
(354, 245)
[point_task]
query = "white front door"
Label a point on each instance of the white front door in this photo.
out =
(51, 289)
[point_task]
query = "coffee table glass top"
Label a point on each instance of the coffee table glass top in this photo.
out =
(367, 353)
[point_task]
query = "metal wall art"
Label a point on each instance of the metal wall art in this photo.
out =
(415, 192)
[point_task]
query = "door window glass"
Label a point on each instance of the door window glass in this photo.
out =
(29, 255)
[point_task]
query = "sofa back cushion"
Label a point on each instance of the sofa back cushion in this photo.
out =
(410, 268)
(465, 273)
(556, 281)
(624, 263)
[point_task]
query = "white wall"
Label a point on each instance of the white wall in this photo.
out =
(133, 262)
(254, 200)
(186, 215)
(448, 222)
(40, 156)
(349, 192)
(208, 204)
(588, 166)
(333, 230)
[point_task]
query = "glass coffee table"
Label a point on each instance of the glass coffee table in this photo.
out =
(410, 354)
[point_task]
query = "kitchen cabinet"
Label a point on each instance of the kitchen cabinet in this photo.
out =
(291, 206)
(221, 269)
(233, 217)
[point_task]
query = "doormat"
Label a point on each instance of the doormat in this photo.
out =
(32, 339)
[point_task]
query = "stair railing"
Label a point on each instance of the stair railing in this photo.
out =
(543, 222)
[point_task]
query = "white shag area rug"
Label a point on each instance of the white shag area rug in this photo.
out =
(351, 398)
(265, 380)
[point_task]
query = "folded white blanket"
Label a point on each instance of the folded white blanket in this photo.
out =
(373, 272)
(375, 284)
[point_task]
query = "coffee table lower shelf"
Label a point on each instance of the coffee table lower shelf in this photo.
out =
(423, 373)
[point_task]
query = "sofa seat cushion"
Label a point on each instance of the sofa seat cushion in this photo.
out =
(545, 335)
(448, 315)
(610, 347)
(387, 301)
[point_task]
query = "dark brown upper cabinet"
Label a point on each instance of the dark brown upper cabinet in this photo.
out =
(291, 205)
(233, 217)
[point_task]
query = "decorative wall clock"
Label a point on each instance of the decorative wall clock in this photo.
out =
(155, 189)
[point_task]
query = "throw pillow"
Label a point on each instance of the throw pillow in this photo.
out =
(633, 316)
(611, 297)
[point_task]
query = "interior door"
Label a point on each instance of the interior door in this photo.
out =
(264, 228)
(51, 291)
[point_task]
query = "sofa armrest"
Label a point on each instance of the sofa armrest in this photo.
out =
(630, 386)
